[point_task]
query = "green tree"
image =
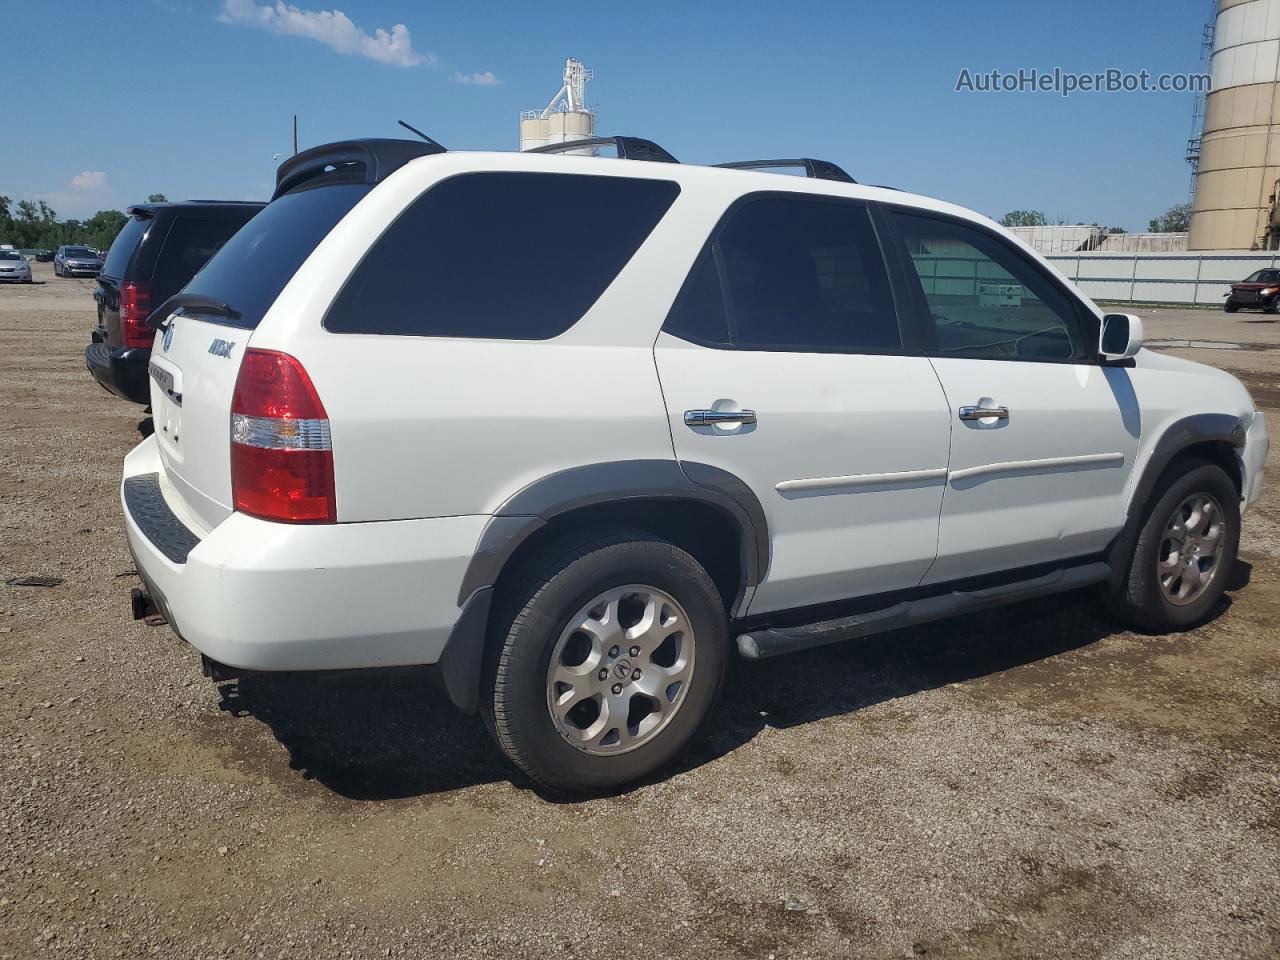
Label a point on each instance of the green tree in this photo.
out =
(1177, 219)
(1024, 218)
(102, 227)
(157, 198)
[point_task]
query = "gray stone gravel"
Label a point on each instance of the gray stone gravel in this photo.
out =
(1032, 782)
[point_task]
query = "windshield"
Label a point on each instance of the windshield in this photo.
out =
(7, 255)
(79, 252)
(249, 272)
(1264, 276)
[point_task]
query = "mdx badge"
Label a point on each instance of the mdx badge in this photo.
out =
(221, 348)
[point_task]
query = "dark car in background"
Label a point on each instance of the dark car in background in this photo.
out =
(73, 260)
(1258, 291)
(159, 249)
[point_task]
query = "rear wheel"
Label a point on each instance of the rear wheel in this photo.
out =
(1184, 551)
(611, 655)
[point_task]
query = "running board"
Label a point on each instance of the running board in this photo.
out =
(775, 641)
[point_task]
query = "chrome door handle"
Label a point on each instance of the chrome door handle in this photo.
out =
(984, 413)
(709, 418)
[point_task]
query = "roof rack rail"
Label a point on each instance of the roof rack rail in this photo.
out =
(374, 159)
(629, 148)
(814, 169)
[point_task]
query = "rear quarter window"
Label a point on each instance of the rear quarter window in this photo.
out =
(508, 256)
(125, 243)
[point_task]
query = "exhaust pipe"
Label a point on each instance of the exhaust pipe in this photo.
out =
(145, 609)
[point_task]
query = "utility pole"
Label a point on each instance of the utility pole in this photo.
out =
(295, 133)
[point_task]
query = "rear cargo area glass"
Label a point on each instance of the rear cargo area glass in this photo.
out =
(249, 272)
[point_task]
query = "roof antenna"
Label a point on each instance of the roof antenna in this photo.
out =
(434, 143)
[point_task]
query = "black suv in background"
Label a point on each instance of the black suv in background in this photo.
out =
(159, 249)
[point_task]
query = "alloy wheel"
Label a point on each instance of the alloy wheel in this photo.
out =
(1187, 562)
(620, 670)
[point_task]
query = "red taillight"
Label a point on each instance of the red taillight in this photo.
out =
(135, 305)
(281, 454)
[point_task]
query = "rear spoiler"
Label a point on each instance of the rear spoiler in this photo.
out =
(370, 160)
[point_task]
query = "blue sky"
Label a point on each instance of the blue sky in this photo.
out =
(193, 97)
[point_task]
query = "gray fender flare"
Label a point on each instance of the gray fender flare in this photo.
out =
(537, 504)
(1184, 433)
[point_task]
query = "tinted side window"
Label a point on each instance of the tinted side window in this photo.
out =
(191, 242)
(800, 274)
(511, 256)
(986, 300)
(126, 241)
(698, 315)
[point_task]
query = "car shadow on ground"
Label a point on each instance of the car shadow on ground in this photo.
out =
(384, 737)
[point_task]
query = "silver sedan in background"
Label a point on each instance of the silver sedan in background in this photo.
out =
(14, 267)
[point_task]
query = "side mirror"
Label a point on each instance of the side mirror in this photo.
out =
(1121, 336)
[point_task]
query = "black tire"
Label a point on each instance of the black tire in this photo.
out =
(57, 270)
(532, 613)
(1140, 598)
(1273, 307)
(1230, 307)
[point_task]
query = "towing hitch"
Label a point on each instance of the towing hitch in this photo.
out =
(145, 609)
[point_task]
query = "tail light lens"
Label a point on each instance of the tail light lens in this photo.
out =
(281, 453)
(135, 306)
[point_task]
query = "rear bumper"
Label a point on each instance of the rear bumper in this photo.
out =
(120, 371)
(272, 596)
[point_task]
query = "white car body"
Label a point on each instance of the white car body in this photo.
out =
(867, 482)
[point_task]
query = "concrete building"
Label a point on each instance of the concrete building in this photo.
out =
(1239, 149)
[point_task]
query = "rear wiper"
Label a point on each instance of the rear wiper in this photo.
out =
(158, 318)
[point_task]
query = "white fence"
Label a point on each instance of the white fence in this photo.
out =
(1199, 279)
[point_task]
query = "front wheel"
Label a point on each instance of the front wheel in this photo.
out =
(1230, 307)
(1184, 553)
(611, 655)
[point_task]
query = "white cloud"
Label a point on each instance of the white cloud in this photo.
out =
(88, 180)
(333, 28)
(485, 79)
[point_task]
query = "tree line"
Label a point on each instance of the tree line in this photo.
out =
(34, 225)
(1176, 219)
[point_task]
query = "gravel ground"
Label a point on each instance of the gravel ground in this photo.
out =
(1032, 782)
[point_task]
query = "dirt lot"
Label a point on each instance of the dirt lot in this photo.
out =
(1035, 782)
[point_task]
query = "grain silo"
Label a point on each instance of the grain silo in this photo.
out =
(1239, 150)
(566, 117)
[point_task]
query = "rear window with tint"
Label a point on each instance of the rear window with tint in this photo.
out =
(509, 256)
(252, 268)
(127, 241)
(192, 240)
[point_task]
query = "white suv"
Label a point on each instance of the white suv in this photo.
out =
(568, 427)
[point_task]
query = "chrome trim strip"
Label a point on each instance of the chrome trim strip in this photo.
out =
(1050, 463)
(862, 480)
(279, 433)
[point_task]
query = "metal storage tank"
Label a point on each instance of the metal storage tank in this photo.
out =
(1239, 158)
(566, 117)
